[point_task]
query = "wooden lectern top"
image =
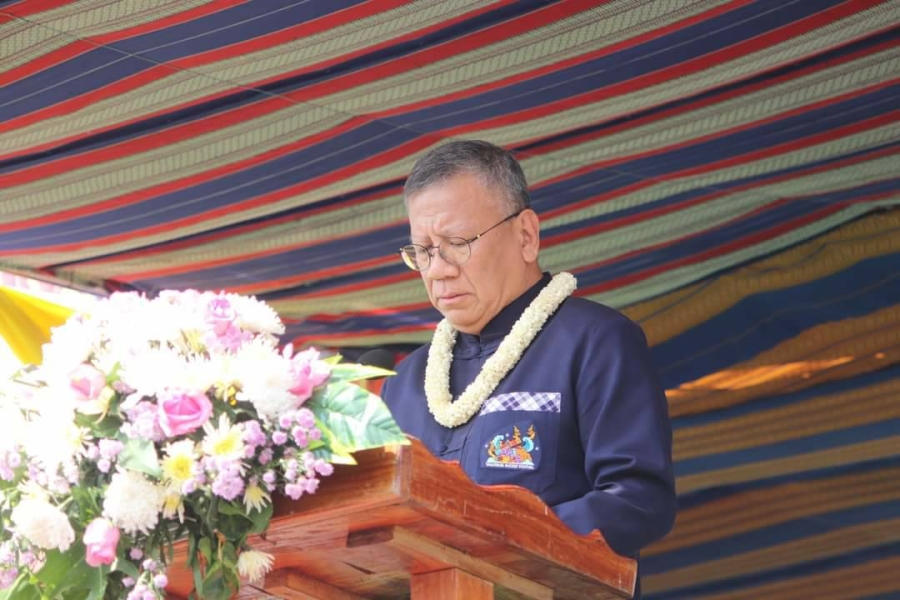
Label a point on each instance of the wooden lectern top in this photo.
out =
(401, 514)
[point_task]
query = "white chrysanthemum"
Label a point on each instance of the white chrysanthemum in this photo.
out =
(254, 564)
(264, 377)
(141, 371)
(133, 502)
(12, 423)
(255, 315)
(70, 345)
(222, 369)
(173, 318)
(43, 524)
(51, 436)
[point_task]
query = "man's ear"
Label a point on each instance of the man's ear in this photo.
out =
(529, 235)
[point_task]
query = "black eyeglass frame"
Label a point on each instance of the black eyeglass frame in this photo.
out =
(429, 250)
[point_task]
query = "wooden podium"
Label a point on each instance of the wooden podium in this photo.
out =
(403, 524)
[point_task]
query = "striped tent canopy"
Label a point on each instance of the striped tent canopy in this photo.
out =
(724, 172)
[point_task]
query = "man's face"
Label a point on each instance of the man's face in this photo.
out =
(471, 294)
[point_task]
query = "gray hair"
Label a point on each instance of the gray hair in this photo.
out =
(497, 168)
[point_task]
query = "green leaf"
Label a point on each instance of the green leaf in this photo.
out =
(261, 519)
(331, 450)
(214, 584)
(234, 527)
(205, 549)
(332, 360)
(357, 418)
(22, 589)
(66, 573)
(355, 372)
(98, 583)
(59, 565)
(140, 455)
(124, 565)
(231, 508)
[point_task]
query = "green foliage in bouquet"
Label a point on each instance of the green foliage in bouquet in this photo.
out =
(157, 420)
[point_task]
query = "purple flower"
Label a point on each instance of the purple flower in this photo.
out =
(228, 484)
(136, 553)
(306, 418)
(109, 448)
(160, 581)
(143, 422)
(294, 490)
(92, 452)
(299, 435)
(279, 437)
(104, 465)
(8, 577)
(323, 468)
(253, 434)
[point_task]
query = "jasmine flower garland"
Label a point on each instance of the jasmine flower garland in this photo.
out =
(440, 356)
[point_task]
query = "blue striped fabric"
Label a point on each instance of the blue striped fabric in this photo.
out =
(724, 173)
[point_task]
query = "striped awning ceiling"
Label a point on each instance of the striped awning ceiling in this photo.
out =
(723, 171)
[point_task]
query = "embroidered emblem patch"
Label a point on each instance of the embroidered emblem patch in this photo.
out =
(514, 448)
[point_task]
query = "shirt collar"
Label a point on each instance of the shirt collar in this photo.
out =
(503, 322)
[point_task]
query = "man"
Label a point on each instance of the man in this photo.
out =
(523, 383)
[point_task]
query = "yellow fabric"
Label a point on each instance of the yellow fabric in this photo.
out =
(25, 322)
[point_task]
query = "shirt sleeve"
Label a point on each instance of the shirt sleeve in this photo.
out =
(627, 441)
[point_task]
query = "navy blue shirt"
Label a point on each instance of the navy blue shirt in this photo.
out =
(581, 421)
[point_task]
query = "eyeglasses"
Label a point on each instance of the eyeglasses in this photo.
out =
(455, 250)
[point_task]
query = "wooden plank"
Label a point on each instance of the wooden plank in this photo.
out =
(519, 519)
(450, 584)
(290, 584)
(507, 527)
(419, 547)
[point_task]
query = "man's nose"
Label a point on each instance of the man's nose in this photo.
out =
(440, 267)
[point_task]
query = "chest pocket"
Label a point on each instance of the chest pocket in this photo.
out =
(514, 440)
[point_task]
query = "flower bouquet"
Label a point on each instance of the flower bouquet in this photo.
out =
(157, 420)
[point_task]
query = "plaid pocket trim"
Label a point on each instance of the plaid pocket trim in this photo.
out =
(533, 401)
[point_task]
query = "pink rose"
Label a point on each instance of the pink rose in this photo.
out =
(307, 372)
(87, 381)
(182, 412)
(100, 541)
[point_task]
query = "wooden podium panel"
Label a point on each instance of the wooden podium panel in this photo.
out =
(374, 529)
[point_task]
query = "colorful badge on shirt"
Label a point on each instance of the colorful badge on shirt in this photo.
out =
(513, 447)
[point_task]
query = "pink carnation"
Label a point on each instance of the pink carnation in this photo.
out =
(220, 315)
(307, 372)
(100, 541)
(87, 381)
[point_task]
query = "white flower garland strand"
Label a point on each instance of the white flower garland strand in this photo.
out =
(437, 370)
